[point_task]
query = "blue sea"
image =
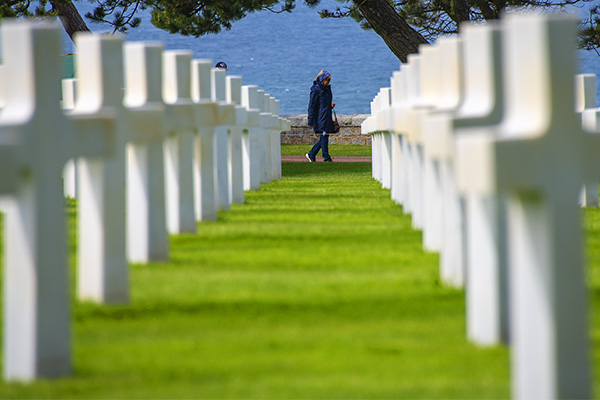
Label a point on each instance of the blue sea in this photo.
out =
(283, 53)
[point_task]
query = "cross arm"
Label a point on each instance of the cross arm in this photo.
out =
(94, 134)
(399, 119)
(8, 168)
(253, 117)
(241, 115)
(226, 114)
(146, 123)
(207, 114)
(180, 115)
(210, 113)
(475, 162)
(284, 124)
(266, 120)
(487, 164)
(590, 151)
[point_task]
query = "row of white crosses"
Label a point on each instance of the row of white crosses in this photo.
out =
(181, 141)
(480, 138)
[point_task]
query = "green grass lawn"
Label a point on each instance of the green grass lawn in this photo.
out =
(316, 288)
(354, 150)
(591, 218)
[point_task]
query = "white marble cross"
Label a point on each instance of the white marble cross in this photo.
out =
(112, 235)
(413, 91)
(452, 257)
(405, 94)
(275, 137)
(222, 139)
(399, 104)
(204, 161)
(269, 125)
(237, 131)
(369, 127)
(253, 153)
(585, 100)
(284, 126)
(538, 158)
(2, 84)
(446, 73)
(70, 170)
(103, 273)
(272, 140)
(486, 292)
(382, 138)
(179, 146)
(147, 237)
(210, 113)
(266, 123)
(37, 339)
(414, 139)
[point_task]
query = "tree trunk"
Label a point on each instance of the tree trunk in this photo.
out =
(461, 9)
(70, 17)
(397, 34)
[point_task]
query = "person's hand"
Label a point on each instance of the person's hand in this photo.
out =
(332, 105)
(310, 126)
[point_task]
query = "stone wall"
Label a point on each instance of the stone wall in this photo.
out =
(349, 130)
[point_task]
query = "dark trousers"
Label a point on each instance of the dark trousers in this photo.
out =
(323, 145)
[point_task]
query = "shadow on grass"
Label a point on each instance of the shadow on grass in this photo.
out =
(393, 305)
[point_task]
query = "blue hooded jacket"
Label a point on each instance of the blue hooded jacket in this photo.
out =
(319, 108)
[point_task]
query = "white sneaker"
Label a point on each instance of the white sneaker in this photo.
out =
(309, 159)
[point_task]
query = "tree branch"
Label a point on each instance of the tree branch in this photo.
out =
(397, 34)
(69, 17)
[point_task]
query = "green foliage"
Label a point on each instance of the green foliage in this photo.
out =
(11, 9)
(589, 38)
(185, 17)
(21, 8)
(194, 18)
(436, 18)
(122, 12)
(430, 18)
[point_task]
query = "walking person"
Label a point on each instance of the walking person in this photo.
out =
(320, 106)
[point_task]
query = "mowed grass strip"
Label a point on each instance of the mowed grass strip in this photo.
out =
(336, 150)
(316, 288)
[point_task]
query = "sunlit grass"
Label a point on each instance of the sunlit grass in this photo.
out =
(336, 150)
(317, 287)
